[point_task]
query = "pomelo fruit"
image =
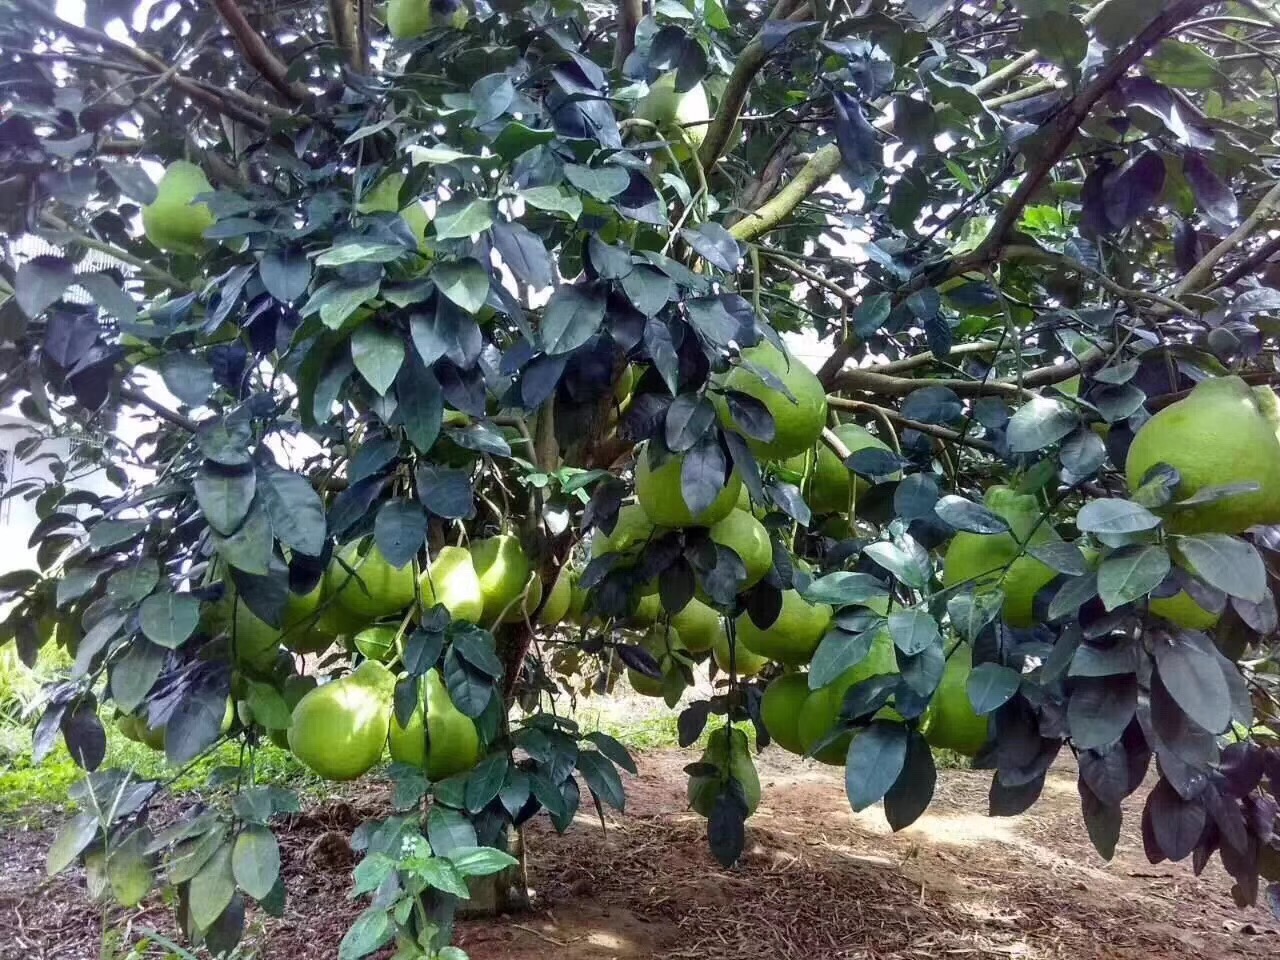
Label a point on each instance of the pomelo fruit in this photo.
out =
(677, 116)
(293, 690)
(831, 486)
(950, 721)
(631, 529)
(747, 537)
(339, 729)
(797, 424)
(451, 579)
(448, 744)
(1183, 610)
(503, 570)
(980, 558)
(171, 221)
(1221, 433)
(375, 589)
(558, 600)
(407, 19)
(663, 643)
(821, 709)
(377, 642)
(728, 751)
(780, 709)
(793, 636)
(699, 626)
(748, 664)
(659, 492)
(528, 604)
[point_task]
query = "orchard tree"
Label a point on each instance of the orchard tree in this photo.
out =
(456, 337)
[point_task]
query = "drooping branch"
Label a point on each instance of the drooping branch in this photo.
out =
(134, 395)
(1247, 265)
(1201, 273)
(1077, 110)
(145, 267)
(260, 56)
(232, 103)
(1020, 64)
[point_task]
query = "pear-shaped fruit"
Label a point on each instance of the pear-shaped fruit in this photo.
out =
(558, 600)
(780, 709)
(981, 558)
(747, 664)
(699, 626)
(407, 19)
(950, 721)
(746, 536)
(171, 221)
(793, 636)
(631, 529)
(448, 744)
(1222, 433)
(729, 752)
(375, 589)
(677, 115)
(451, 579)
(254, 641)
(1183, 610)
(797, 423)
(301, 615)
(829, 483)
(503, 569)
(663, 644)
(648, 610)
(659, 491)
(339, 729)
(529, 600)
(821, 709)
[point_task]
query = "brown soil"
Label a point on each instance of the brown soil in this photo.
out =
(817, 883)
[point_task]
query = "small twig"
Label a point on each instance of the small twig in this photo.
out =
(931, 429)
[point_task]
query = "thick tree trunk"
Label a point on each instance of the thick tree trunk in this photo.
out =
(505, 892)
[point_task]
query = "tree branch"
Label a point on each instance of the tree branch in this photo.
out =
(1077, 111)
(232, 103)
(630, 13)
(931, 429)
(134, 395)
(1200, 273)
(1017, 66)
(344, 24)
(260, 56)
(1247, 265)
(118, 253)
(817, 171)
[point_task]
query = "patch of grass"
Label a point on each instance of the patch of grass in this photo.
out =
(30, 791)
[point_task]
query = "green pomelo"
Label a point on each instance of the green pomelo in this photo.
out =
(661, 496)
(699, 626)
(293, 690)
(950, 722)
(662, 643)
(793, 636)
(503, 569)
(980, 558)
(780, 710)
(728, 751)
(451, 579)
(529, 600)
(631, 529)
(339, 729)
(375, 589)
(748, 664)
(407, 19)
(171, 221)
(557, 606)
(1222, 433)
(820, 711)
(677, 116)
(384, 197)
(747, 537)
(446, 744)
(831, 486)
(1182, 609)
(797, 424)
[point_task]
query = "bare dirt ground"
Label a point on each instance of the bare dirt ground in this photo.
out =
(818, 883)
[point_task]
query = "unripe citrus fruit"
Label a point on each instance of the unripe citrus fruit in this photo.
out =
(728, 751)
(780, 709)
(448, 744)
(798, 423)
(372, 588)
(339, 729)
(793, 636)
(746, 536)
(503, 569)
(171, 221)
(659, 491)
(451, 579)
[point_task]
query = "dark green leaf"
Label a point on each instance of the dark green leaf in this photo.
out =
(295, 510)
(990, 686)
(1131, 572)
(1228, 563)
(1115, 516)
(1189, 669)
(225, 495)
(572, 317)
(168, 619)
(875, 760)
(1039, 423)
(400, 531)
(255, 861)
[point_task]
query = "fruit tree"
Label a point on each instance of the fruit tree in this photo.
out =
(905, 364)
